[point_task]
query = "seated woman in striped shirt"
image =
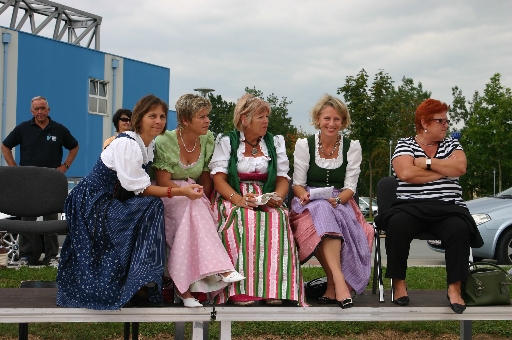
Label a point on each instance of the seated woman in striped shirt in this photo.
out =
(429, 198)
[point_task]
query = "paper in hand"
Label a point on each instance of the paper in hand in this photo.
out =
(263, 199)
(320, 193)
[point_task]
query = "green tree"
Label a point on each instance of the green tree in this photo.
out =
(221, 115)
(370, 108)
(486, 137)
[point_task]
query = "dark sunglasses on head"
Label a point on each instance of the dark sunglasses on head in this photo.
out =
(124, 119)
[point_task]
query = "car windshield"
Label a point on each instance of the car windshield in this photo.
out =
(505, 194)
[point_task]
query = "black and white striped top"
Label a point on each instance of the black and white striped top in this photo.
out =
(447, 189)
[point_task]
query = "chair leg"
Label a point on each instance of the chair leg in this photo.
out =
(378, 266)
(126, 331)
(374, 284)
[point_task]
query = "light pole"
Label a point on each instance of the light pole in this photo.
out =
(204, 91)
(390, 145)
(494, 176)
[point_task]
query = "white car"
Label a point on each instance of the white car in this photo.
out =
(364, 205)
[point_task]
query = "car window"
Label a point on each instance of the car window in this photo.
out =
(507, 193)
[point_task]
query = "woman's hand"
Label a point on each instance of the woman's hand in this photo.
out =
(192, 191)
(304, 198)
(275, 202)
(246, 201)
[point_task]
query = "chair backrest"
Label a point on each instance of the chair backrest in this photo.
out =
(386, 193)
(32, 191)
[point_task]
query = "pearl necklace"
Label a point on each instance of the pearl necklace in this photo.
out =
(254, 150)
(333, 149)
(418, 140)
(184, 146)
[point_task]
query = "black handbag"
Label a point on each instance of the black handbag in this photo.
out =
(316, 288)
(488, 284)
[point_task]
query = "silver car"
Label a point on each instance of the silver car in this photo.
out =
(493, 216)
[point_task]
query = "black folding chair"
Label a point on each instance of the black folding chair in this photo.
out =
(386, 196)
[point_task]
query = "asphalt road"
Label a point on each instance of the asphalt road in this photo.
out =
(419, 255)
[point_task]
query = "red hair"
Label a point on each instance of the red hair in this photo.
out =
(426, 110)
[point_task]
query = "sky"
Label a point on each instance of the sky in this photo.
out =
(303, 49)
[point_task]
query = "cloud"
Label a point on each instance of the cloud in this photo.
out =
(302, 49)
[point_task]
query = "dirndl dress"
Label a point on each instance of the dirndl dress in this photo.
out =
(113, 248)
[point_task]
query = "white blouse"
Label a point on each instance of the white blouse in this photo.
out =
(222, 153)
(126, 156)
(301, 159)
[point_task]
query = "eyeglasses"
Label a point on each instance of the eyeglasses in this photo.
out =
(124, 119)
(442, 121)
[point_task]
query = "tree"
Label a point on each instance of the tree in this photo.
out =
(221, 115)
(486, 137)
(369, 109)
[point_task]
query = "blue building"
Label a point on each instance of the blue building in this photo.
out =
(84, 87)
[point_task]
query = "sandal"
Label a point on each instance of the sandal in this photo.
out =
(324, 300)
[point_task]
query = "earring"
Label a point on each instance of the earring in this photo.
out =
(425, 130)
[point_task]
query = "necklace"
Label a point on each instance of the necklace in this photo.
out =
(254, 150)
(184, 146)
(333, 149)
(418, 140)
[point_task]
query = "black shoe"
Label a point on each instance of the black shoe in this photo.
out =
(402, 301)
(324, 300)
(346, 303)
(456, 307)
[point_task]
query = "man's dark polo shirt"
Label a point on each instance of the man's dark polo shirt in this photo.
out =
(40, 147)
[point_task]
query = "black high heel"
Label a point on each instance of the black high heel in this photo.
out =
(401, 301)
(456, 307)
(346, 303)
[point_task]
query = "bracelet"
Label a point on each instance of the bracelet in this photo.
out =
(169, 192)
(338, 200)
(230, 196)
(67, 166)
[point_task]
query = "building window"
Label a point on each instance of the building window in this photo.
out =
(98, 96)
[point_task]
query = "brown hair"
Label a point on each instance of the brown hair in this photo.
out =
(143, 106)
(188, 105)
(426, 110)
(336, 104)
(248, 105)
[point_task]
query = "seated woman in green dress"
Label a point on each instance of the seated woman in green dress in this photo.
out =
(197, 261)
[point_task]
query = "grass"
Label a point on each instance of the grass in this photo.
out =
(417, 278)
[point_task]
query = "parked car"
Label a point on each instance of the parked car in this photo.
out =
(364, 205)
(493, 216)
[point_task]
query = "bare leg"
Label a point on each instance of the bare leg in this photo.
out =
(454, 293)
(400, 288)
(330, 250)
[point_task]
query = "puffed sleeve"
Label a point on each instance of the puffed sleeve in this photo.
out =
(221, 155)
(283, 164)
(301, 162)
(354, 158)
(126, 158)
(208, 151)
(166, 152)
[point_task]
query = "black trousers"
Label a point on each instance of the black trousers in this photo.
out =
(32, 246)
(452, 231)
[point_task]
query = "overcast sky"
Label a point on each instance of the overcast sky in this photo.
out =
(303, 49)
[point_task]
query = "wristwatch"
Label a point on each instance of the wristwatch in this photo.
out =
(338, 200)
(428, 161)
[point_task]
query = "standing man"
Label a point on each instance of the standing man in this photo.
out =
(41, 141)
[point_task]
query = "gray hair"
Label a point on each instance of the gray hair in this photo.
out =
(40, 97)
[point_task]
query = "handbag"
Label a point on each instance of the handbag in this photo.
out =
(488, 285)
(316, 288)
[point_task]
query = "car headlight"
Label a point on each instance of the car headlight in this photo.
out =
(481, 218)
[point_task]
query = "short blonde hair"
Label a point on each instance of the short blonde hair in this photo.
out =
(336, 104)
(248, 105)
(188, 105)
